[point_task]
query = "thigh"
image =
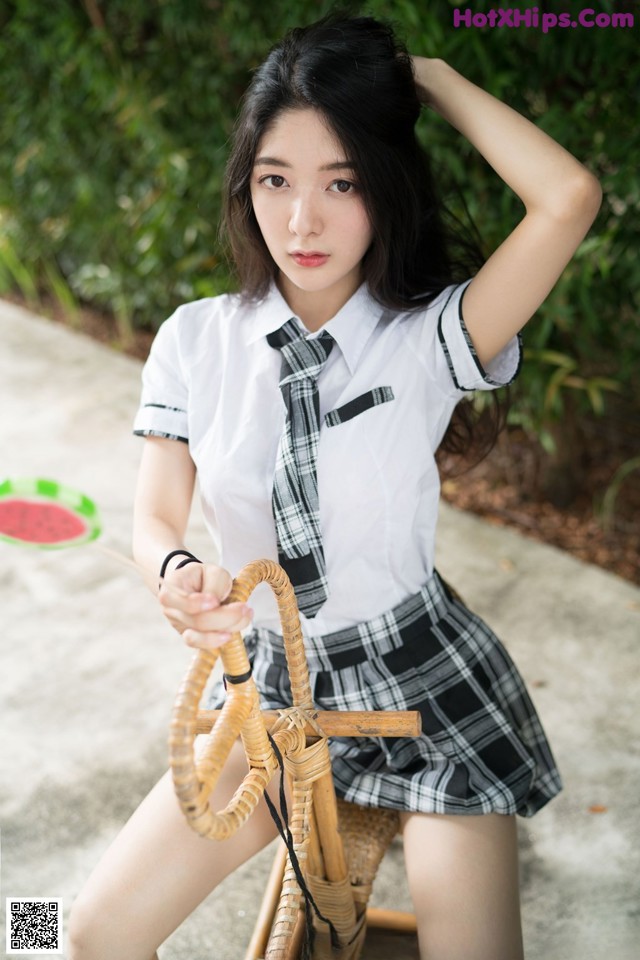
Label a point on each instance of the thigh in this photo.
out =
(158, 870)
(463, 879)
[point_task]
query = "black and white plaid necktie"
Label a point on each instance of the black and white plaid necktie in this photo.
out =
(295, 487)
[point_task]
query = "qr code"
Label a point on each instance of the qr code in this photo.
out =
(34, 926)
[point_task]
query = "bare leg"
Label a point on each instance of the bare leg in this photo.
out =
(463, 879)
(157, 871)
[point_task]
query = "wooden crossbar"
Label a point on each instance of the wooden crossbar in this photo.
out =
(343, 723)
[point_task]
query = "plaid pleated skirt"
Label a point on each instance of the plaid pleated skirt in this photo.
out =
(482, 748)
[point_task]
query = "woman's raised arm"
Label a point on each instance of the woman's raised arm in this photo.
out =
(560, 196)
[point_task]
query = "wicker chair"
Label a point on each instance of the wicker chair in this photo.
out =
(338, 846)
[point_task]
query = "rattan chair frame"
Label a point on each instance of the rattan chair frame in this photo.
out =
(338, 845)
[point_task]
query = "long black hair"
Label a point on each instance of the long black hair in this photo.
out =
(357, 74)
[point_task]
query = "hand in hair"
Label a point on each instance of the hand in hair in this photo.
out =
(422, 69)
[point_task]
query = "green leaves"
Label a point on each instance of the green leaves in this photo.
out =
(113, 138)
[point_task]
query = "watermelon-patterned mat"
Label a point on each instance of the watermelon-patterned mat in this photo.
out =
(46, 514)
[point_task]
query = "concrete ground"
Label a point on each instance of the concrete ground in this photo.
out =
(89, 671)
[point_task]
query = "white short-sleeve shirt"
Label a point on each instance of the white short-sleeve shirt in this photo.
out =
(212, 380)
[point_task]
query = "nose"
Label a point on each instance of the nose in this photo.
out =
(305, 219)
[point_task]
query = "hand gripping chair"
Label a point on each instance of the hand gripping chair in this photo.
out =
(334, 847)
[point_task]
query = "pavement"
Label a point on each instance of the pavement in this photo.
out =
(89, 671)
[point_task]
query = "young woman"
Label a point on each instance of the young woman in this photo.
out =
(339, 242)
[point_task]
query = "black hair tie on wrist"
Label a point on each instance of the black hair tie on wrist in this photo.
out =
(187, 560)
(177, 553)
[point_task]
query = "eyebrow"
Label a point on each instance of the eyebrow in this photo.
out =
(275, 162)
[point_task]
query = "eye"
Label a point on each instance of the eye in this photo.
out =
(343, 186)
(273, 181)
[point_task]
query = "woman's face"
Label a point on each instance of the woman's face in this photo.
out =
(311, 213)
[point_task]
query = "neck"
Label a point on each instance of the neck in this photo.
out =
(316, 308)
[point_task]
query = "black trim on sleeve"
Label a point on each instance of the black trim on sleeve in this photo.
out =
(163, 406)
(159, 433)
(445, 348)
(472, 350)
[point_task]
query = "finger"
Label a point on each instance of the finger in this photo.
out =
(188, 577)
(172, 596)
(176, 619)
(206, 641)
(216, 581)
(234, 616)
(207, 583)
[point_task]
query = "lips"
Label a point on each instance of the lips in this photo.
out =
(311, 258)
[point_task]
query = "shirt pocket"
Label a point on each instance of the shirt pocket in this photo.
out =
(366, 401)
(354, 503)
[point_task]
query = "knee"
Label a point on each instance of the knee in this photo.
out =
(87, 932)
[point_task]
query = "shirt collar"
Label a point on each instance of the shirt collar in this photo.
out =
(351, 327)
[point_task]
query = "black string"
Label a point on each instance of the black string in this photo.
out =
(282, 824)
